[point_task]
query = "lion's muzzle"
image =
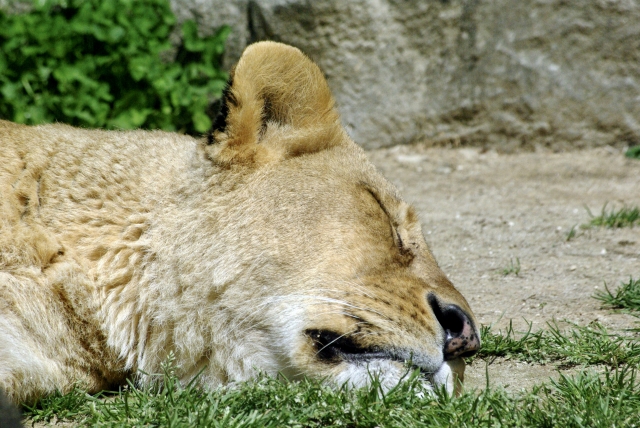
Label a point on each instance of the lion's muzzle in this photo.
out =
(461, 337)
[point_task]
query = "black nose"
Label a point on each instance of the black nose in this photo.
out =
(461, 339)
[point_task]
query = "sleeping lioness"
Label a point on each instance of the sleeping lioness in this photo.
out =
(272, 245)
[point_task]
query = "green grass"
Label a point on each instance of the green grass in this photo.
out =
(584, 399)
(624, 217)
(513, 268)
(633, 152)
(588, 345)
(572, 233)
(626, 297)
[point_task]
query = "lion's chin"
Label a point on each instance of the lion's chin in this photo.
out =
(451, 376)
(389, 373)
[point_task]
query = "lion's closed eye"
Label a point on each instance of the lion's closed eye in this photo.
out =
(405, 252)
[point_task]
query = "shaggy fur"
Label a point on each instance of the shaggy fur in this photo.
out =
(117, 248)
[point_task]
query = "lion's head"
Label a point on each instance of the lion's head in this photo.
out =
(318, 267)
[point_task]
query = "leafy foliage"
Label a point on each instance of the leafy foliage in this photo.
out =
(97, 63)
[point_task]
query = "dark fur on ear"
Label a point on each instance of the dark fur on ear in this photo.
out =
(220, 123)
(278, 105)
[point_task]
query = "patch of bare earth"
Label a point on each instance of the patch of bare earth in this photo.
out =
(481, 212)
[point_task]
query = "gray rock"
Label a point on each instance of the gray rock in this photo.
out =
(508, 74)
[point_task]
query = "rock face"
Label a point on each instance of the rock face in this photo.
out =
(508, 74)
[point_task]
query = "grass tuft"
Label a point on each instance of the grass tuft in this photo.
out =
(579, 345)
(61, 406)
(633, 152)
(627, 296)
(585, 400)
(624, 217)
(513, 268)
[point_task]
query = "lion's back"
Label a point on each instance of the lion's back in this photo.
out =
(72, 201)
(63, 186)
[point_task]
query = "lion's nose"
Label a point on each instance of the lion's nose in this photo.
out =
(461, 339)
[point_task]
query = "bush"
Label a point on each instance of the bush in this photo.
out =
(96, 63)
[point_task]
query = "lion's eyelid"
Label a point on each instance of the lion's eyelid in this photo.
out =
(397, 239)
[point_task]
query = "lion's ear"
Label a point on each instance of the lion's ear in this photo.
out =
(277, 105)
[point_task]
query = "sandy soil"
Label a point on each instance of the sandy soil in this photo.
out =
(483, 211)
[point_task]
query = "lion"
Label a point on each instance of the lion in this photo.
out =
(271, 245)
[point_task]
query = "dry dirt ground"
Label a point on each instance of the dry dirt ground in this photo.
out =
(483, 211)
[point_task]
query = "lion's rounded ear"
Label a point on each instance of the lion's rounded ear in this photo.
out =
(277, 104)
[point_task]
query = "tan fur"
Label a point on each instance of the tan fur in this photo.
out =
(117, 248)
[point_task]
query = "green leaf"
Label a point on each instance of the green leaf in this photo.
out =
(130, 119)
(115, 34)
(11, 91)
(201, 122)
(192, 42)
(139, 67)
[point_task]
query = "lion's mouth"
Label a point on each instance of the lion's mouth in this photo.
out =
(334, 347)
